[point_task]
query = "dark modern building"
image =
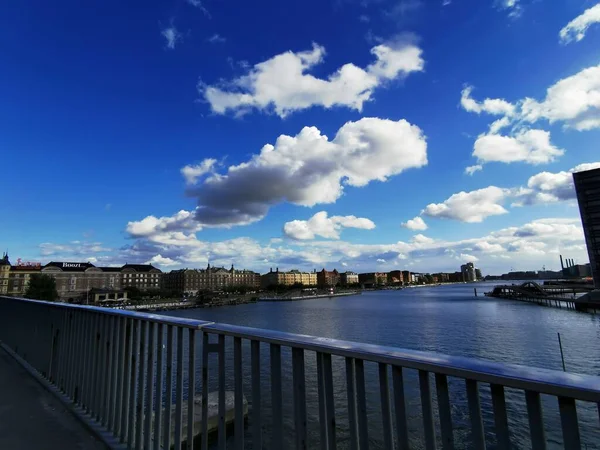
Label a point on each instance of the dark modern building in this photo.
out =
(587, 186)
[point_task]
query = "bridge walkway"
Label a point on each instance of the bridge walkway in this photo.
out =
(31, 418)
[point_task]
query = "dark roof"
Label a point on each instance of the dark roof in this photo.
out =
(70, 266)
(110, 269)
(140, 267)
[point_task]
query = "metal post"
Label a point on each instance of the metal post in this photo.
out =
(562, 356)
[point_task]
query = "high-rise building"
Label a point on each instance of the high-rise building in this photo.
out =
(468, 272)
(587, 186)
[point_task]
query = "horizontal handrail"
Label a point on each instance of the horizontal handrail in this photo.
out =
(546, 381)
(156, 318)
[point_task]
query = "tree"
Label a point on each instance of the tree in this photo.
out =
(42, 287)
(133, 293)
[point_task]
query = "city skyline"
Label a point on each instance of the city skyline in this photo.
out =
(371, 136)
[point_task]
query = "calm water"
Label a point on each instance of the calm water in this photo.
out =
(446, 319)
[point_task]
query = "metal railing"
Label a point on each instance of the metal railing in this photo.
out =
(136, 376)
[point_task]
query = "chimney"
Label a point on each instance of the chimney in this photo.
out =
(562, 266)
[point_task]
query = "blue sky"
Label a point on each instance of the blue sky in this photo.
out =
(415, 134)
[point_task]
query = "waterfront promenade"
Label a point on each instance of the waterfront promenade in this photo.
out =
(32, 418)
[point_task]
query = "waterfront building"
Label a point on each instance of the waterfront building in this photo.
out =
(74, 279)
(277, 278)
(19, 275)
(191, 281)
(587, 186)
(4, 274)
(468, 272)
(441, 277)
(395, 277)
(406, 277)
(372, 279)
(348, 278)
(328, 279)
(141, 276)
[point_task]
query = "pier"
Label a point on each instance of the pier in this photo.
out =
(558, 296)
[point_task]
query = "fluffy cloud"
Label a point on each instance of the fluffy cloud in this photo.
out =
(421, 239)
(472, 169)
(474, 206)
(416, 224)
(522, 247)
(493, 106)
(309, 169)
(282, 83)
(323, 226)
(512, 6)
(574, 101)
(530, 146)
(172, 36)
(159, 260)
(191, 173)
(180, 226)
(548, 187)
(575, 30)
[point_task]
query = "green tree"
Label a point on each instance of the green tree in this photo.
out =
(42, 287)
(133, 293)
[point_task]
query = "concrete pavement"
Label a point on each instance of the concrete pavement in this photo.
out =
(32, 418)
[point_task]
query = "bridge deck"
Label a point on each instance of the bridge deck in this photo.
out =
(32, 418)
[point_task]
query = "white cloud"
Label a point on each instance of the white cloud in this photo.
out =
(323, 226)
(180, 226)
(282, 83)
(416, 224)
(574, 100)
(198, 4)
(486, 247)
(159, 260)
(474, 206)
(172, 36)
(575, 30)
(548, 187)
(468, 258)
(512, 6)
(472, 169)
(493, 106)
(530, 146)
(191, 173)
(421, 239)
(216, 39)
(309, 169)
(523, 247)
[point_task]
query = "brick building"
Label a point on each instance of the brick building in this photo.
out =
(328, 279)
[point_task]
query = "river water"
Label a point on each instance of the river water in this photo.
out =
(445, 319)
